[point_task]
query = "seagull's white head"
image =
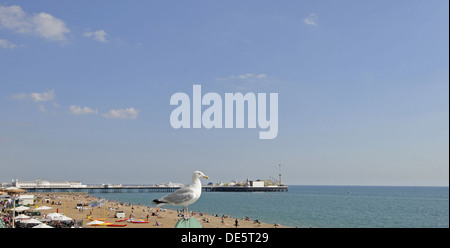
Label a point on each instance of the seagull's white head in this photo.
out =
(199, 174)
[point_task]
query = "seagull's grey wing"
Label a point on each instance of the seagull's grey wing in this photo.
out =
(183, 194)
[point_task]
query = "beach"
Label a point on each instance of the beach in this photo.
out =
(147, 216)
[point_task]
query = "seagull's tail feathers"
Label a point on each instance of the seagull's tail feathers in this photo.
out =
(159, 202)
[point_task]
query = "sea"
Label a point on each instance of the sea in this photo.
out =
(322, 206)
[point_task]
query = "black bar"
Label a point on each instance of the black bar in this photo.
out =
(243, 237)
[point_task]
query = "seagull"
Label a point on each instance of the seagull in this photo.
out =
(184, 196)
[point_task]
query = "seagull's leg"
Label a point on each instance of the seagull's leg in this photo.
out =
(186, 212)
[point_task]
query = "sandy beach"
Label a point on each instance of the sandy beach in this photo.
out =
(157, 217)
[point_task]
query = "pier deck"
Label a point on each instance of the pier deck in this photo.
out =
(149, 189)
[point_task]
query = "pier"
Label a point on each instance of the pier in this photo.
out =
(149, 189)
(245, 189)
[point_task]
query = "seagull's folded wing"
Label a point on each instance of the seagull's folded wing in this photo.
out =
(180, 196)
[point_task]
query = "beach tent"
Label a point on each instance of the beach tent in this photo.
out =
(42, 225)
(26, 199)
(21, 208)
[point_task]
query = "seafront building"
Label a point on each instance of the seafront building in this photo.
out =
(170, 184)
(41, 183)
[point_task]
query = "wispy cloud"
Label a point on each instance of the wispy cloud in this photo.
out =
(42, 108)
(44, 96)
(77, 110)
(128, 113)
(244, 76)
(46, 101)
(6, 44)
(247, 81)
(36, 96)
(311, 20)
(99, 35)
(41, 24)
(40, 98)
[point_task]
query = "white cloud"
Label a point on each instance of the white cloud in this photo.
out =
(42, 24)
(311, 20)
(6, 44)
(77, 110)
(14, 18)
(128, 113)
(45, 102)
(49, 27)
(35, 96)
(99, 35)
(43, 97)
(39, 98)
(261, 76)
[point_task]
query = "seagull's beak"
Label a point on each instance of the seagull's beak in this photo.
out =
(206, 177)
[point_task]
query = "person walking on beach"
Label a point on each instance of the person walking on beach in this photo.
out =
(236, 223)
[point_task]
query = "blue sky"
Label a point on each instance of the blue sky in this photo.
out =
(363, 90)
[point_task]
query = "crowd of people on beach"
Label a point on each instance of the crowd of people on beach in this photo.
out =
(11, 218)
(6, 216)
(82, 210)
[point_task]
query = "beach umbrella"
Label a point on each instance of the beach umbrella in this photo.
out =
(31, 221)
(22, 217)
(42, 208)
(42, 225)
(14, 190)
(21, 208)
(52, 216)
(62, 218)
